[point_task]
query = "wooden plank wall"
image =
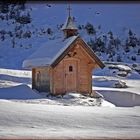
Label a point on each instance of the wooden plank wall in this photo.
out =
(44, 83)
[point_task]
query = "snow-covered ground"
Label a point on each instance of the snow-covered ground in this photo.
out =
(44, 121)
(104, 81)
(123, 97)
(26, 114)
(16, 85)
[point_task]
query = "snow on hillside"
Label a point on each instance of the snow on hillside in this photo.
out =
(17, 73)
(19, 41)
(109, 16)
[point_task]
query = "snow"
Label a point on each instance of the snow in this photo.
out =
(48, 53)
(22, 120)
(30, 63)
(120, 67)
(119, 96)
(123, 67)
(23, 93)
(18, 92)
(104, 81)
(14, 87)
(71, 99)
(111, 16)
(17, 73)
(25, 113)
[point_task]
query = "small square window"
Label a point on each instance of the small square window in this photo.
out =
(70, 68)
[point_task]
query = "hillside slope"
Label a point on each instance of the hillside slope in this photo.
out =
(19, 40)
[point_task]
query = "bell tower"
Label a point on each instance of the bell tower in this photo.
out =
(69, 28)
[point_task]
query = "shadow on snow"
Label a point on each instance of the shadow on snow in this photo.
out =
(121, 98)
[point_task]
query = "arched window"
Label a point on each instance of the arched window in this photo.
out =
(70, 68)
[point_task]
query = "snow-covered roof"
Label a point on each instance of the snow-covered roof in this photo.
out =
(48, 53)
(69, 24)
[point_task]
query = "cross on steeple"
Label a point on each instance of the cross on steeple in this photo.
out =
(69, 9)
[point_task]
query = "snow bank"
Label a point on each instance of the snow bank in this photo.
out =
(11, 77)
(70, 99)
(124, 68)
(21, 92)
(120, 70)
(107, 104)
(103, 81)
(17, 73)
(121, 67)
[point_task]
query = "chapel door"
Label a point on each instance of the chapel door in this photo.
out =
(70, 76)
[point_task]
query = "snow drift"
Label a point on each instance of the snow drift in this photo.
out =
(18, 92)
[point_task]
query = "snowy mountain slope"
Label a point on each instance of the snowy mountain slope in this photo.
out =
(46, 21)
(113, 17)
